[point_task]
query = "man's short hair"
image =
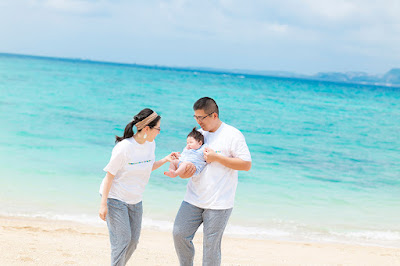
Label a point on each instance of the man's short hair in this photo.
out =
(206, 104)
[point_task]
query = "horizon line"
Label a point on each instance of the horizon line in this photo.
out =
(209, 70)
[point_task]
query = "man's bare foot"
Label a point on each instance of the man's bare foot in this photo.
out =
(171, 173)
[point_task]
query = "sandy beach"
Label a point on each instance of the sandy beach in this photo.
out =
(31, 241)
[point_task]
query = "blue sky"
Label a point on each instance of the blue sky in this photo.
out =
(302, 36)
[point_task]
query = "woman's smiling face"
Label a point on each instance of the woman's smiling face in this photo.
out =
(153, 132)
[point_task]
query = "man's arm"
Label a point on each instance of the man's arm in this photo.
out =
(233, 163)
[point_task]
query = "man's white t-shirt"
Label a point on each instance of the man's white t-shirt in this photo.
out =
(131, 163)
(215, 186)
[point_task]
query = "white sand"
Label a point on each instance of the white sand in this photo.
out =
(28, 241)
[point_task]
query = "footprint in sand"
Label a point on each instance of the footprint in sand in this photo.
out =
(26, 259)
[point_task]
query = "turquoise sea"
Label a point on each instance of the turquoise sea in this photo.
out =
(326, 156)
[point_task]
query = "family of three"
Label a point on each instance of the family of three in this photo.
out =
(212, 158)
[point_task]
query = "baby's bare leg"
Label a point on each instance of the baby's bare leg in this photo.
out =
(173, 166)
(182, 168)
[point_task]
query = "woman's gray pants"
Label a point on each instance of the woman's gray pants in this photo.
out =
(124, 223)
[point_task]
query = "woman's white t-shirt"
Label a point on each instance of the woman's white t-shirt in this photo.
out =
(215, 186)
(131, 163)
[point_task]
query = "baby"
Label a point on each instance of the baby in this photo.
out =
(192, 154)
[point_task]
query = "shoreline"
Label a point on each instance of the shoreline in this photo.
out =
(39, 241)
(237, 231)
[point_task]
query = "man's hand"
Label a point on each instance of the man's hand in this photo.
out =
(189, 171)
(210, 155)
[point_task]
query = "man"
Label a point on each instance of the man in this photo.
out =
(210, 195)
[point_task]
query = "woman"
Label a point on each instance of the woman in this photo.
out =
(128, 172)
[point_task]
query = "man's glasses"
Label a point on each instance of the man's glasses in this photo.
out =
(201, 118)
(159, 129)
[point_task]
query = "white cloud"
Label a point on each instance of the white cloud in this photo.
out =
(207, 20)
(77, 7)
(331, 10)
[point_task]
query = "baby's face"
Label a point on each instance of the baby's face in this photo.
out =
(192, 143)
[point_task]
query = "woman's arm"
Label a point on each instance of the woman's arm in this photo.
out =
(168, 158)
(106, 189)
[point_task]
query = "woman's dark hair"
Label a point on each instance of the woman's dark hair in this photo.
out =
(206, 104)
(128, 133)
(196, 135)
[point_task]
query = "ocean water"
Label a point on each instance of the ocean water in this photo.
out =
(326, 156)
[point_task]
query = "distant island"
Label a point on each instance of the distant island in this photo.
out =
(390, 79)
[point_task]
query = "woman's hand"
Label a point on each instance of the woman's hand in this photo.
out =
(176, 155)
(172, 156)
(168, 158)
(103, 212)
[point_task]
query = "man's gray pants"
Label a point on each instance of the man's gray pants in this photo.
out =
(187, 221)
